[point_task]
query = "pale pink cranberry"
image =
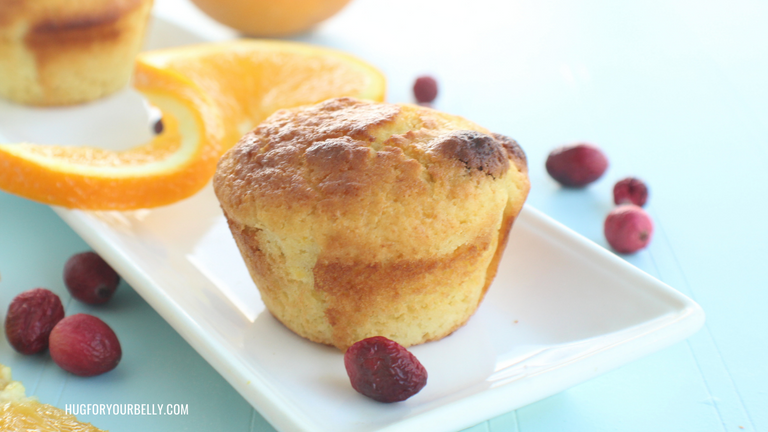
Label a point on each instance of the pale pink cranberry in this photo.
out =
(628, 228)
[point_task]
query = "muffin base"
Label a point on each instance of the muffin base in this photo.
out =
(411, 302)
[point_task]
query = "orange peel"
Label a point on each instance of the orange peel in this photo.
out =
(210, 95)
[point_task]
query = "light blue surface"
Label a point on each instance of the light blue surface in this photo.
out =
(674, 91)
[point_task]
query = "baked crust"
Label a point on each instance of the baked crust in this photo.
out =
(358, 219)
(59, 52)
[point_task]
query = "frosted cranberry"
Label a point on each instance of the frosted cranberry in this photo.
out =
(628, 228)
(30, 319)
(84, 345)
(630, 190)
(425, 89)
(384, 370)
(576, 165)
(89, 278)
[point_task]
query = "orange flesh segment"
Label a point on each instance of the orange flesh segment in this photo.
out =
(19, 413)
(34, 416)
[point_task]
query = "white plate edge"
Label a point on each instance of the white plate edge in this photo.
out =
(281, 414)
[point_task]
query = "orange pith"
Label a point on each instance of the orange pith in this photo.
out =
(210, 95)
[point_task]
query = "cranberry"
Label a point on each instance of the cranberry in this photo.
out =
(384, 370)
(89, 278)
(31, 317)
(425, 89)
(628, 228)
(158, 127)
(576, 165)
(630, 190)
(84, 345)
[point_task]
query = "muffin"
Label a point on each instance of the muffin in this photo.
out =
(62, 52)
(359, 219)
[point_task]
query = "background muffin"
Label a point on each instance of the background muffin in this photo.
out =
(61, 52)
(358, 219)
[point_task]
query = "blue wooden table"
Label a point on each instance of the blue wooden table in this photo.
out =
(675, 92)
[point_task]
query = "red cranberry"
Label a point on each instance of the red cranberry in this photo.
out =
(84, 345)
(30, 319)
(384, 370)
(158, 127)
(630, 190)
(425, 89)
(576, 165)
(628, 228)
(89, 278)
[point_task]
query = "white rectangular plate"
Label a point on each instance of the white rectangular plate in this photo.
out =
(561, 311)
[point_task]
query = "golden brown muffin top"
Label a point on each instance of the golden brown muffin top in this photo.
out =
(388, 178)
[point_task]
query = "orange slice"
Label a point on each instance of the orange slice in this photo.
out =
(19, 413)
(172, 166)
(209, 95)
(251, 79)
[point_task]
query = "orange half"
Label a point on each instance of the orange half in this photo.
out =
(210, 95)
